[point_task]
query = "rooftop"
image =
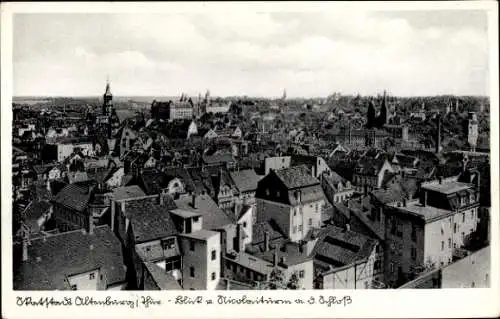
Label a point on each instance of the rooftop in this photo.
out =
(427, 213)
(162, 279)
(53, 259)
(74, 197)
(202, 234)
(149, 219)
(245, 180)
(127, 192)
(448, 187)
(296, 177)
(213, 216)
(256, 264)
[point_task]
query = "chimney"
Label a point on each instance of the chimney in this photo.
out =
(193, 201)
(25, 249)
(404, 202)
(347, 227)
(440, 179)
(275, 257)
(90, 225)
(266, 241)
(425, 198)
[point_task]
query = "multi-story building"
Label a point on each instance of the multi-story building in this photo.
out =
(245, 182)
(292, 197)
(65, 146)
(428, 232)
(71, 207)
(369, 173)
(182, 109)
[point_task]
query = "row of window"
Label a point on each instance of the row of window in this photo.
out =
(213, 276)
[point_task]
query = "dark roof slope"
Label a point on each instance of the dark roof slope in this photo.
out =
(296, 177)
(71, 253)
(74, 197)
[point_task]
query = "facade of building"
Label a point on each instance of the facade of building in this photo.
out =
(428, 233)
(294, 198)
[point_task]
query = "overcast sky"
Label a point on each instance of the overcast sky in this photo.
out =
(256, 54)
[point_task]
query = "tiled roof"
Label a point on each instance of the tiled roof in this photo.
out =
(71, 253)
(149, 220)
(127, 192)
(74, 196)
(338, 247)
(213, 216)
(245, 180)
(296, 177)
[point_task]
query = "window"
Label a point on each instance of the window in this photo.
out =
(101, 277)
(377, 265)
(92, 276)
(442, 230)
(454, 228)
(74, 287)
(413, 232)
(301, 274)
(463, 217)
(442, 245)
(310, 221)
(244, 224)
(196, 219)
(294, 212)
(300, 210)
(214, 254)
(191, 245)
(392, 267)
(413, 253)
(316, 208)
(449, 242)
(294, 229)
(148, 249)
(278, 194)
(214, 276)
(191, 272)
(463, 236)
(168, 243)
(300, 227)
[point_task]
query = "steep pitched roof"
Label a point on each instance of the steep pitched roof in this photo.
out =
(245, 180)
(296, 177)
(149, 219)
(74, 196)
(127, 192)
(52, 259)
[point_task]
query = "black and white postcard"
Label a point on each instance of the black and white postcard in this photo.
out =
(250, 159)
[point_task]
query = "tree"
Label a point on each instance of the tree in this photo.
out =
(370, 115)
(382, 119)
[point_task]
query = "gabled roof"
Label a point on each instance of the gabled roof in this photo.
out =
(149, 219)
(245, 180)
(296, 177)
(74, 196)
(53, 259)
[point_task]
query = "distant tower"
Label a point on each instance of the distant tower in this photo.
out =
(284, 94)
(472, 131)
(107, 105)
(456, 105)
(438, 135)
(207, 97)
(382, 119)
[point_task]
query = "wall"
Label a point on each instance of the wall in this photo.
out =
(279, 212)
(301, 215)
(358, 276)
(307, 281)
(276, 163)
(116, 179)
(471, 271)
(84, 281)
(201, 260)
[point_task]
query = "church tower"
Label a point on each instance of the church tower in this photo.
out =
(472, 131)
(107, 105)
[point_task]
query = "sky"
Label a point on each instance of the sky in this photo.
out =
(252, 53)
